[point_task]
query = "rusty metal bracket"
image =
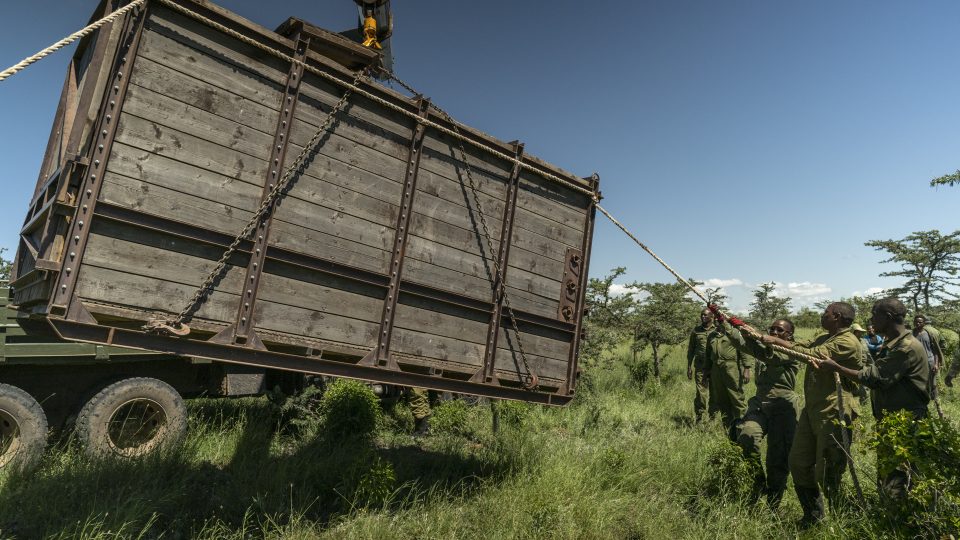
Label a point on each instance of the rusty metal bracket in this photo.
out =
(380, 355)
(573, 371)
(242, 331)
(485, 373)
(570, 286)
(63, 300)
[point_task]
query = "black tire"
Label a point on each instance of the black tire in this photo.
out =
(23, 429)
(131, 418)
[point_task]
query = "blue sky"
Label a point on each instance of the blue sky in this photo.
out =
(744, 141)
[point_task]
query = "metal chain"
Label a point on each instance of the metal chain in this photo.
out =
(532, 380)
(13, 70)
(174, 325)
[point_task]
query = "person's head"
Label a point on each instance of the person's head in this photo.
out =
(857, 330)
(706, 317)
(871, 330)
(887, 314)
(919, 321)
(781, 328)
(837, 316)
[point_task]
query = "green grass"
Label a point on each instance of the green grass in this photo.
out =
(623, 461)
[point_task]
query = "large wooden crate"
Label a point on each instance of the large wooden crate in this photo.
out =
(374, 265)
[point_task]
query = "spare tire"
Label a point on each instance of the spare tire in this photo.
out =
(131, 418)
(23, 428)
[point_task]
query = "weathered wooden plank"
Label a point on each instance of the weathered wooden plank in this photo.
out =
(166, 111)
(323, 169)
(534, 344)
(204, 95)
(434, 208)
(509, 367)
(538, 225)
(552, 201)
(171, 143)
(144, 293)
(240, 57)
(526, 302)
(120, 248)
(321, 95)
(187, 179)
(304, 204)
(443, 151)
(538, 244)
(416, 314)
(313, 291)
(296, 321)
(453, 351)
(328, 246)
(322, 218)
(159, 201)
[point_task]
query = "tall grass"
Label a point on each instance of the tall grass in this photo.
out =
(623, 461)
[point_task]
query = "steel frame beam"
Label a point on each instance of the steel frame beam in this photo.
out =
(63, 301)
(242, 331)
(380, 355)
(485, 373)
(573, 371)
(120, 337)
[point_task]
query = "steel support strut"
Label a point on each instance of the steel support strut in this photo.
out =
(64, 302)
(380, 355)
(485, 374)
(242, 332)
(572, 369)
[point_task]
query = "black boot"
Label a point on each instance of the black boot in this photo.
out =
(812, 503)
(421, 426)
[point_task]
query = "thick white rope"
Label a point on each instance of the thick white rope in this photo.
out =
(69, 39)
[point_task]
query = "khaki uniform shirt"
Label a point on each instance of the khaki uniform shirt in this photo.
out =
(697, 347)
(899, 377)
(776, 372)
(819, 386)
(723, 354)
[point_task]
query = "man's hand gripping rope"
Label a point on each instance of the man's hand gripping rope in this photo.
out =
(752, 332)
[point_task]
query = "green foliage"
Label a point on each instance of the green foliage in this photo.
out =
(641, 371)
(607, 320)
(512, 414)
(6, 266)
(299, 414)
(663, 317)
(370, 482)
(729, 476)
(766, 306)
(946, 180)
(929, 262)
(452, 417)
(929, 449)
(806, 318)
(349, 410)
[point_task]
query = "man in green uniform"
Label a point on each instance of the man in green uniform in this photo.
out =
(696, 360)
(817, 457)
(419, 400)
(729, 370)
(899, 379)
(933, 343)
(772, 412)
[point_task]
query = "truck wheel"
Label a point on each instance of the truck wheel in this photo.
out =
(132, 417)
(23, 428)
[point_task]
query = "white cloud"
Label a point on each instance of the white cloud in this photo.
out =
(616, 289)
(869, 292)
(806, 289)
(722, 283)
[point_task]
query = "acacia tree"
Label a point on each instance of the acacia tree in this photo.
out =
(5, 266)
(715, 295)
(946, 180)
(607, 322)
(662, 317)
(930, 263)
(766, 306)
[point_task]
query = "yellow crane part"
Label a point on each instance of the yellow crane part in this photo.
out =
(370, 33)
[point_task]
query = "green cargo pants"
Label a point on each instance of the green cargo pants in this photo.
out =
(817, 458)
(777, 421)
(419, 400)
(702, 381)
(726, 393)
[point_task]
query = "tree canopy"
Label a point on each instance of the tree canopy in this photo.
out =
(946, 180)
(767, 306)
(929, 261)
(663, 316)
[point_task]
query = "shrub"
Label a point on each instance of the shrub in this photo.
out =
(729, 475)
(451, 417)
(349, 409)
(299, 414)
(511, 413)
(929, 449)
(641, 372)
